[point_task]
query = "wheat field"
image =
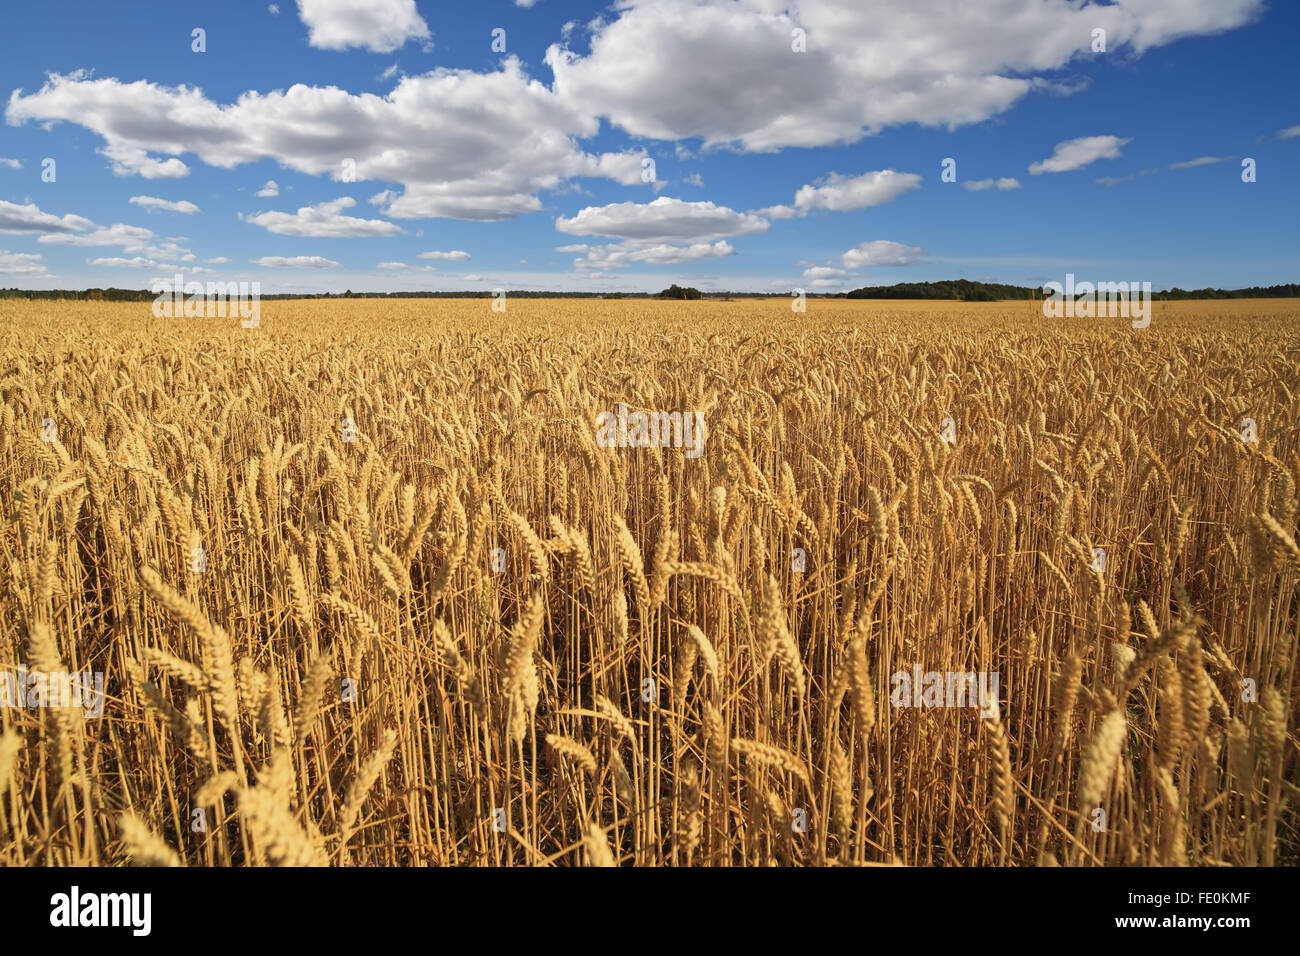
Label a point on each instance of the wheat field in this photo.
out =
(365, 589)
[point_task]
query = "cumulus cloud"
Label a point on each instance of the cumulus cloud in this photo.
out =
(380, 26)
(153, 202)
(133, 239)
(619, 255)
(29, 219)
(469, 200)
(118, 234)
(11, 163)
(269, 190)
(128, 160)
(1076, 153)
(217, 261)
(1291, 132)
(73, 230)
(836, 193)
(1003, 184)
(822, 272)
(463, 145)
(725, 71)
(662, 220)
(881, 252)
(22, 264)
(456, 255)
(323, 220)
(295, 262)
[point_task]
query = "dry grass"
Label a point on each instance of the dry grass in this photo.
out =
(649, 680)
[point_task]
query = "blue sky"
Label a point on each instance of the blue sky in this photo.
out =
(774, 167)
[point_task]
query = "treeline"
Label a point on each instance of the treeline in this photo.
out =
(1288, 291)
(964, 290)
(144, 295)
(88, 295)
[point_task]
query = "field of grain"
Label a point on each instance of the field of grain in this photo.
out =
(280, 548)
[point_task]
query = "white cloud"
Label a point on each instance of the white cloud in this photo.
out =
(456, 255)
(269, 190)
(826, 283)
(380, 26)
(132, 239)
(460, 201)
(881, 252)
(137, 262)
(464, 145)
(1003, 184)
(1199, 161)
(324, 220)
(822, 272)
(21, 264)
(30, 219)
(153, 202)
(724, 70)
(619, 255)
(1075, 153)
(130, 160)
(274, 9)
(295, 262)
(1109, 181)
(694, 179)
(404, 267)
(1291, 132)
(217, 261)
(118, 234)
(836, 193)
(662, 220)
(525, 3)
(11, 163)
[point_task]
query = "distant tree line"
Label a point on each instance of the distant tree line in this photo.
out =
(962, 290)
(966, 290)
(1288, 291)
(86, 295)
